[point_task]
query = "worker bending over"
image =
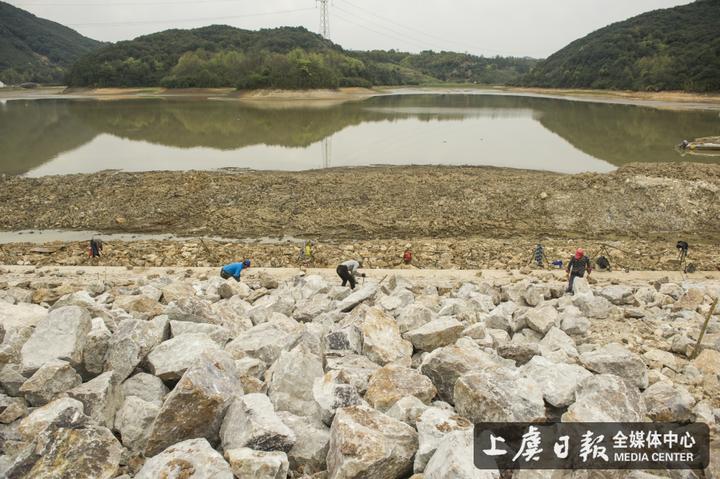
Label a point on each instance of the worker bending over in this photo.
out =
(576, 268)
(233, 270)
(347, 272)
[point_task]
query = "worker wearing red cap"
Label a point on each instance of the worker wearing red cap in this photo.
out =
(576, 268)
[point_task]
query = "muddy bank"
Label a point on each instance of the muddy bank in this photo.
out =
(339, 94)
(671, 99)
(649, 202)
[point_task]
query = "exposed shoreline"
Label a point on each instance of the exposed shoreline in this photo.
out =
(455, 217)
(663, 100)
(429, 254)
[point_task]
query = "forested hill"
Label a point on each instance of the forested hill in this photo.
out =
(671, 49)
(288, 57)
(37, 50)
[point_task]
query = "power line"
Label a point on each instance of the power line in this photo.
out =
(394, 36)
(185, 20)
(399, 34)
(413, 29)
(122, 4)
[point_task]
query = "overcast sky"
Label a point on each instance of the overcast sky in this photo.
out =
(534, 28)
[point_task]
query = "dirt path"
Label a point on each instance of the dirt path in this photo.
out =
(82, 276)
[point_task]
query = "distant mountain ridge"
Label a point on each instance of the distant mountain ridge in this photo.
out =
(38, 50)
(670, 49)
(286, 57)
(33, 49)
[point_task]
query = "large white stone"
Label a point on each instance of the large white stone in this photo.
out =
(433, 426)
(308, 309)
(264, 308)
(61, 335)
(445, 365)
(354, 369)
(101, 396)
(435, 334)
(51, 380)
(366, 443)
(291, 381)
(382, 342)
(22, 315)
(246, 462)
(581, 288)
(606, 398)
(454, 458)
(558, 347)
(191, 459)
(667, 402)
(252, 422)
(358, 296)
(265, 341)
(139, 306)
(391, 383)
(309, 452)
(558, 381)
(131, 342)
(192, 309)
(331, 393)
(197, 405)
(65, 412)
(170, 359)
(96, 346)
(176, 290)
(499, 395)
(134, 420)
(413, 317)
(615, 359)
(408, 410)
(593, 306)
(90, 452)
(219, 334)
(146, 387)
(503, 317)
(542, 319)
(618, 295)
(11, 408)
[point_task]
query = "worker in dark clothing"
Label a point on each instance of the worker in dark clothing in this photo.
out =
(347, 272)
(576, 268)
(539, 255)
(96, 247)
(233, 270)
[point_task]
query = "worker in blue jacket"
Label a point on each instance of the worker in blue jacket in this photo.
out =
(233, 270)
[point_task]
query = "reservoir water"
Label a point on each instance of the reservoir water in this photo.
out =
(62, 136)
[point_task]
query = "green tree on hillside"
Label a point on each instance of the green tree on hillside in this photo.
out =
(672, 49)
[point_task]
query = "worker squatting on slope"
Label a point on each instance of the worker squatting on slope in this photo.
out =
(233, 270)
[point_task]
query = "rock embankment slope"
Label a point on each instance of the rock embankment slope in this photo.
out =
(177, 375)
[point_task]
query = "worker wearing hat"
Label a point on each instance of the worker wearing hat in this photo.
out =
(576, 268)
(233, 270)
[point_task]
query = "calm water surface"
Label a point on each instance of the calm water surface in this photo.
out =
(48, 137)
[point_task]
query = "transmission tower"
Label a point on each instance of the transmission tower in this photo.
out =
(324, 17)
(327, 152)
